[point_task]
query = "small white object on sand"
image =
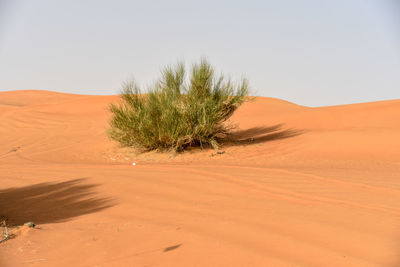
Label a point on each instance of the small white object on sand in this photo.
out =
(133, 163)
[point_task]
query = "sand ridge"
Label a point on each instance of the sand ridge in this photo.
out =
(297, 186)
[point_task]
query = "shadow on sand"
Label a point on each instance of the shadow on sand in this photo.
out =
(50, 202)
(258, 135)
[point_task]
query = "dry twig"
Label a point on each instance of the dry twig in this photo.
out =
(6, 232)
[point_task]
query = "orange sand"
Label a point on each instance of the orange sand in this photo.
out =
(316, 187)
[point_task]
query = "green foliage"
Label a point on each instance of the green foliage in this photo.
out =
(179, 111)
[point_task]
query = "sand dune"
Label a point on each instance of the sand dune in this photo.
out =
(296, 186)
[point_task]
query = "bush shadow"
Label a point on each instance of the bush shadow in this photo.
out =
(50, 202)
(258, 135)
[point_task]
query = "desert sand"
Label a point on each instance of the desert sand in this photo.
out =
(296, 186)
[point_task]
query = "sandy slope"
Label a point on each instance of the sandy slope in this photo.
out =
(316, 187)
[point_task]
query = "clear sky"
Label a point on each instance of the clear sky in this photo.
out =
(311, 52)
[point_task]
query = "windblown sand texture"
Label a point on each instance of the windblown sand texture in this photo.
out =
(296, 186)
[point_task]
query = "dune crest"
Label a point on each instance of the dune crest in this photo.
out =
(295, 186)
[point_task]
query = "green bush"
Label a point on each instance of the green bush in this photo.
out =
(179, 111)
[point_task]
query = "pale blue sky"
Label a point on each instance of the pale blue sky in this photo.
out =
(311, 52)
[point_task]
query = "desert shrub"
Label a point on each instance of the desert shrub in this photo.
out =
(179, 111)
